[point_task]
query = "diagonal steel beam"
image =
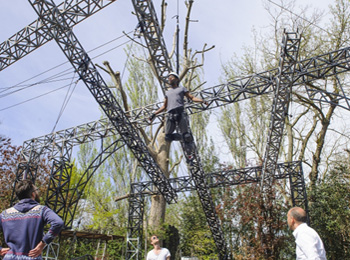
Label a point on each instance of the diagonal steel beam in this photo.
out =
(149, 27)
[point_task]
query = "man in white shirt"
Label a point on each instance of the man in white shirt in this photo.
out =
(309, 245)
(157, 253)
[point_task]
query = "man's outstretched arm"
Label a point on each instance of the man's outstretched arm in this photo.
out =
(195, 99)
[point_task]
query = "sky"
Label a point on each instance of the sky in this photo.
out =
(227, 24)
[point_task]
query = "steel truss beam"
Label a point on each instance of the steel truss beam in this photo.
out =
(279, 112)
(198, 176)
(34, 35)
(55, 23)
(297, 186)
(77, 135)
(224, 178)
(135, 223)
(221, 178)
(59, 184)
(151, 31)
(149, 27)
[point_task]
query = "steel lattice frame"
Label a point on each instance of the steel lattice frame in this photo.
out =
(282, 95)
(306, 71)
(149, 27)
(35, 35)
(155, 43)
(55, 22)
(221, 178)
(279, 112)
(60, 197)
(135, 222)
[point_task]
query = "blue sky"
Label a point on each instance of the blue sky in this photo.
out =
(226, 24)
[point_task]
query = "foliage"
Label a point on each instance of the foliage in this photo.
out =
(75, 247)
(307, 138)
(330, 213)
(196, 238)
(9, 157)
(254, 229)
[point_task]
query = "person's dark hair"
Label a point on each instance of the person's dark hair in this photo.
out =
(299, 214)
(24, 189)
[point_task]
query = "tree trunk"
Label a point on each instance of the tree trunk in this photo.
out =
(157, 212)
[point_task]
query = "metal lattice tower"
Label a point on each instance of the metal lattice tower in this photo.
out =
(282, 95)
(135, 223)
(55, 22)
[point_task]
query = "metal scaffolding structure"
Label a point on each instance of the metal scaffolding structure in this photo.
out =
(220, 178)
(151, 31)
(56, 22)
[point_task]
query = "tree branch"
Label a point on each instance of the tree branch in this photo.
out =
(175, 164)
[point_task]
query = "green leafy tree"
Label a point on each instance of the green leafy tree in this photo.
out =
(307, 127)
(330, 213)
(196, 238)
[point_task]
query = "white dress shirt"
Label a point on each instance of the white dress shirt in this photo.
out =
(309, 245)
